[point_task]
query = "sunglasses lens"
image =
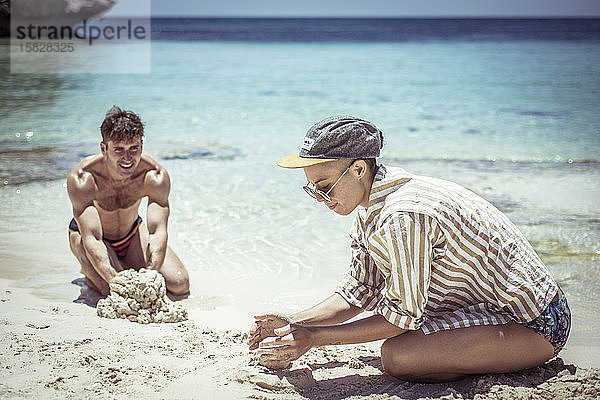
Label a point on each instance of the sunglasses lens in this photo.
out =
(311, 192)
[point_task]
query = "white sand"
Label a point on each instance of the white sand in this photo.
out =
(64, 350)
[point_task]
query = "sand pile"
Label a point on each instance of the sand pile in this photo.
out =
(139, 296)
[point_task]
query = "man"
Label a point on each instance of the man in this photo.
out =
(106, 234)
(454, 286)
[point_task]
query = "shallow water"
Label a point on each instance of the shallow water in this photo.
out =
(513, 119)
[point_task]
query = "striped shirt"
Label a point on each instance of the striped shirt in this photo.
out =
(429, 254)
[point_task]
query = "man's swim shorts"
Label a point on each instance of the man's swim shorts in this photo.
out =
(120, 246)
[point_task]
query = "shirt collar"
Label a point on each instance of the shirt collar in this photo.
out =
(379, 180)
(385, 176)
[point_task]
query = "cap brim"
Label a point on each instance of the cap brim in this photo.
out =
(295, 161)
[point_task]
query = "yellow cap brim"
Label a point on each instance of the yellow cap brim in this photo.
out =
(295, 161)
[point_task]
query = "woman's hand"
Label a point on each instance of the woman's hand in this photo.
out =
(291, 342)
(264, 327)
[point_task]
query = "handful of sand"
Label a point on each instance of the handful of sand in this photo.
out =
(140, 297)
(274, 364)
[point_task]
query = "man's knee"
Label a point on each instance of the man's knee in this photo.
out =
(398, 360)
(179, 288)
(178, 283)
(75, 243)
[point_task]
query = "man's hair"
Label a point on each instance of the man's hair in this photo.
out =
(121, 126)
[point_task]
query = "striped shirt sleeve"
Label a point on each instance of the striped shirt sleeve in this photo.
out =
(402, 247)
(363, 283)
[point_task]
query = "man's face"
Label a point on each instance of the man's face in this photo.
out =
(123, 157)
(346, 194)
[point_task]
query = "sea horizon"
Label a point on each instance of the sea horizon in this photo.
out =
(361, 29)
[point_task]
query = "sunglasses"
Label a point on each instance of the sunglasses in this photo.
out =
(313, 192)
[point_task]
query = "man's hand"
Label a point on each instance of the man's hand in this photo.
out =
(264, 327)
(291, 342)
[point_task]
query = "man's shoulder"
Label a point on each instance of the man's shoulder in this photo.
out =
(87, 170)
(148, 164)
(89, 164)
(81, 181)
(155, 175)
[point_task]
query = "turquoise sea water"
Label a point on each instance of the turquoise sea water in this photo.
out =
(514, 118)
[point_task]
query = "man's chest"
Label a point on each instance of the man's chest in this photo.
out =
(112, 198)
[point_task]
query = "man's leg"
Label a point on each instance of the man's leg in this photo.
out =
(94, 280)
(452, 354)
(175, 274)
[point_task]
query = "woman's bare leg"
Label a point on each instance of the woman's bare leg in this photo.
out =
(452, 354)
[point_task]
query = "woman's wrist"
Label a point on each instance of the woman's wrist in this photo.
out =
(320, 335)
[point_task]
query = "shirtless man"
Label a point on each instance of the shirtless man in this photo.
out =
(106, 234)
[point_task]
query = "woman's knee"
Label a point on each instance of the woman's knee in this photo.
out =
(398, 360)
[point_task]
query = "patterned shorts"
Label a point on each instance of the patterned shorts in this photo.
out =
(554, 323)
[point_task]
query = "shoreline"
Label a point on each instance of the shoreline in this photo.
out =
(57, 349)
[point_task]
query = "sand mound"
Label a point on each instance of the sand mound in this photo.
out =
(139, 296)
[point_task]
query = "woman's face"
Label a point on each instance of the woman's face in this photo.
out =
(350, 191)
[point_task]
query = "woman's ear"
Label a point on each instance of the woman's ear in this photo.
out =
(360, 166)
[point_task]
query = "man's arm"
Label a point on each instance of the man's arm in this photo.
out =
(158, 187)
(81, 188)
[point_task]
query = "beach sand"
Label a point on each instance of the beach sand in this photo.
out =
(53, 349)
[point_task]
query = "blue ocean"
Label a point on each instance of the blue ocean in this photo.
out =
(507, 108)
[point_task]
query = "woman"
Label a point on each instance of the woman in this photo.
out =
(455, 287)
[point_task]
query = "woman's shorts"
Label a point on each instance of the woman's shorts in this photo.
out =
(554, 323)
